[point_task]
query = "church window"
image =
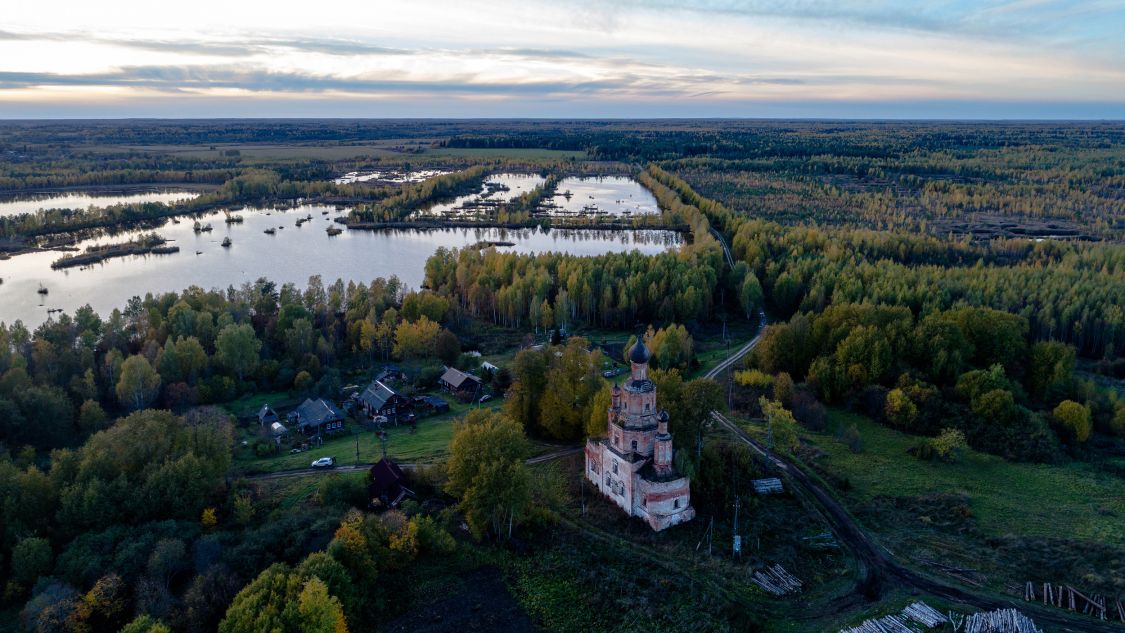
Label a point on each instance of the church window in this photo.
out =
(676, 504)
(646, 407)
(615, 468)
(634, 445)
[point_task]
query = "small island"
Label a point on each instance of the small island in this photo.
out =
(148, 244)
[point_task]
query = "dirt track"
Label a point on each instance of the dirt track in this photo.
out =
(299, 472)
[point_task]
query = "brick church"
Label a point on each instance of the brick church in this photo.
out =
(632, 465)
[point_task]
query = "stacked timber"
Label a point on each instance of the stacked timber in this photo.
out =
(1000, 621)
(915, 617)
(924, 614)
(771, 486)
(775, 580)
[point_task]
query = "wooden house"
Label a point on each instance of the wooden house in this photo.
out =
(317, 417)
(386, 485)
(464, 386)
(379, 399)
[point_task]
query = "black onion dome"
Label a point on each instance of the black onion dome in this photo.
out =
(640, 353)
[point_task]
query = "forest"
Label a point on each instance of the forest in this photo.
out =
(961, 283)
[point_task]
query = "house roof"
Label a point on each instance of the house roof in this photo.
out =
(266, 412)
(277, 428)
(456, 378)
(433, 401)
(377, 395)
(386, 481)
(316, 412)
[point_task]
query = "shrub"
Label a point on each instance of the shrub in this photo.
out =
(949, 444)
(851, 437)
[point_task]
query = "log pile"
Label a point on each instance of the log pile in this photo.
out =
(775, 580)
(924, 614)
(1067, 597)
(914, 618)
(771, 486)
(999, 621)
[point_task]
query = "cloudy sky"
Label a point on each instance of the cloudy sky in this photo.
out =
(563, 58)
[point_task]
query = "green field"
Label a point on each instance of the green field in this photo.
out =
(505, 152)
(1071, 500)
(429, 443)
(287, 492)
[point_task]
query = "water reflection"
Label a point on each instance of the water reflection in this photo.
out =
(612, 195)
(390, 176)
(290, 254)
(494, 191)
(30, 203)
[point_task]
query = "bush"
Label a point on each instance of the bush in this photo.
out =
(264, 448)
(303, 381)
(851, 437)
(427, 377)
(808, 410)
(31, 558)
(948, 445)
(338, 490)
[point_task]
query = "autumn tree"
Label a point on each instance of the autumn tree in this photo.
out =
(139, 383)
(782, 426)
(573, 380)
(417, 339)
(281, 601)
(1075, 418)
(486, 471)
(237, 348)
(671, 347)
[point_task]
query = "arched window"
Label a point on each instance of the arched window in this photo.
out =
(615, 468)
(646, 407)
(634, 445)
(676, 504)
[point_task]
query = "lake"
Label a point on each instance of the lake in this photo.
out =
(390, 177)
(494, 191)
(30, 203)
(291, 255)
(610, 195)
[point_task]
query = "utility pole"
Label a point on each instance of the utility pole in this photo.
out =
(730, 388)
(769, 443)
(737, 544)
(582, 492)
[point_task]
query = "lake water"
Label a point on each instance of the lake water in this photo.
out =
(397, 177)
(291, 255)
(494, 191)
(79, 200)
(612, 195)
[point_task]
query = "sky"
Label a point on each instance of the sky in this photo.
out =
(984, 59)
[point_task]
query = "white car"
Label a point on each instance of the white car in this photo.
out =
(324, 462)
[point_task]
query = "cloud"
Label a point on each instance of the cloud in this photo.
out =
(195, 78)
(605, 53)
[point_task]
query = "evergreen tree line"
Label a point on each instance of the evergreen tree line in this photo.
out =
(1069, 291)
